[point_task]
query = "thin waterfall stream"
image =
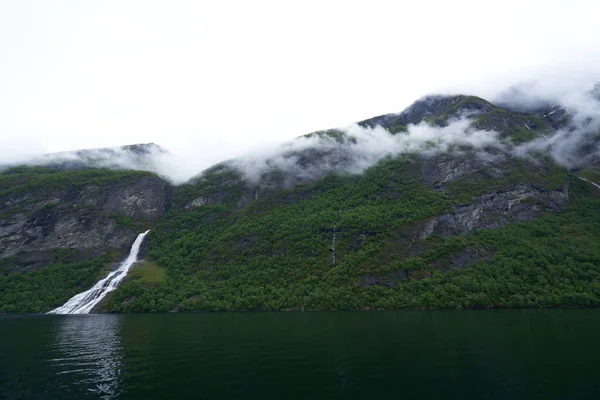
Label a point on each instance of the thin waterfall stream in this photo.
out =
(587, 180)
(84, 302)
(333, 247)
(332, 250)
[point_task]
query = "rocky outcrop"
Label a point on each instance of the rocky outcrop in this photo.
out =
(440, 169)
(463, 258)
(199, 202)
(143, 199)
(88, 219)
(521, 203)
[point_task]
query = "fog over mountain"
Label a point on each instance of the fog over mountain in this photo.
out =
(573, 113)
(208, 85)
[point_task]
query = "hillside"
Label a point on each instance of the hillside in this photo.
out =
(60, 231)
(334, 221)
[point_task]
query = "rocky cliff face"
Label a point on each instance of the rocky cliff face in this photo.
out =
(492, 210)
(88, 217)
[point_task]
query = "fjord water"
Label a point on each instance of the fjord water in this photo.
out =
(499, 354)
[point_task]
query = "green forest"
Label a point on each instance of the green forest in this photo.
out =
(463, 228)
(278, 252)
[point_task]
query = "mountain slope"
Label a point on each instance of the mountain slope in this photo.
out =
(334, 222)
(346, 242)
(58, 230)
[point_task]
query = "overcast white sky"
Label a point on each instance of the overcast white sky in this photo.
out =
(212, 79)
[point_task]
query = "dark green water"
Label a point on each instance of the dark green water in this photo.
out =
(505, 354)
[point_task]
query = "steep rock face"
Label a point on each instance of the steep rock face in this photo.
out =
(492, 210)
(88, 218)
(441, 169)
(143, 199)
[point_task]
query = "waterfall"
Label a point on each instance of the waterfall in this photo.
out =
(587, 180)
(83, 303)
(333, 247)
(333, 239)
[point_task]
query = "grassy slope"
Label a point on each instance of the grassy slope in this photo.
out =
(147, 272)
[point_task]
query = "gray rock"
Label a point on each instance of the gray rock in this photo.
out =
(496, 209)
(85, 219)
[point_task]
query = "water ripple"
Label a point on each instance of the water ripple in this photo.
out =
(87, 351)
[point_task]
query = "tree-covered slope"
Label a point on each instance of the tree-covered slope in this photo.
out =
(335, 222)
(370, 241)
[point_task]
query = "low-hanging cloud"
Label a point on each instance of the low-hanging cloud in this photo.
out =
(575, 143)
(356, 148)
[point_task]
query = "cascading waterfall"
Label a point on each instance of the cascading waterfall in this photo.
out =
(84, 302)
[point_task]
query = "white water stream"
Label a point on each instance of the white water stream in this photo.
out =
(83, 303)
(587, 180)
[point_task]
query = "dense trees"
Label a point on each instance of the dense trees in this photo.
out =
(275, 252)
(50, 287)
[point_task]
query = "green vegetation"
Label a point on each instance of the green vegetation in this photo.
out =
(38, 202)
(516, 127)
(397, 128)
(25, 169)
(51, 286)
(335, 134)
(591, 174)
(36, 179)
(147, 272)
(451, 111)
(340, 242)
(545, 174)
(276, 253)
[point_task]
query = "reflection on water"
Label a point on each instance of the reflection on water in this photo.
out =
(87, 353)
(466, 355)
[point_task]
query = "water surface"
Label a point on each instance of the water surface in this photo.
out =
(500, 354)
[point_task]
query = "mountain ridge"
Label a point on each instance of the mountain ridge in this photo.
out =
(425, 208)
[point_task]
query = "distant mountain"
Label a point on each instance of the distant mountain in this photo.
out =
(455, 202)
(135, 156)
